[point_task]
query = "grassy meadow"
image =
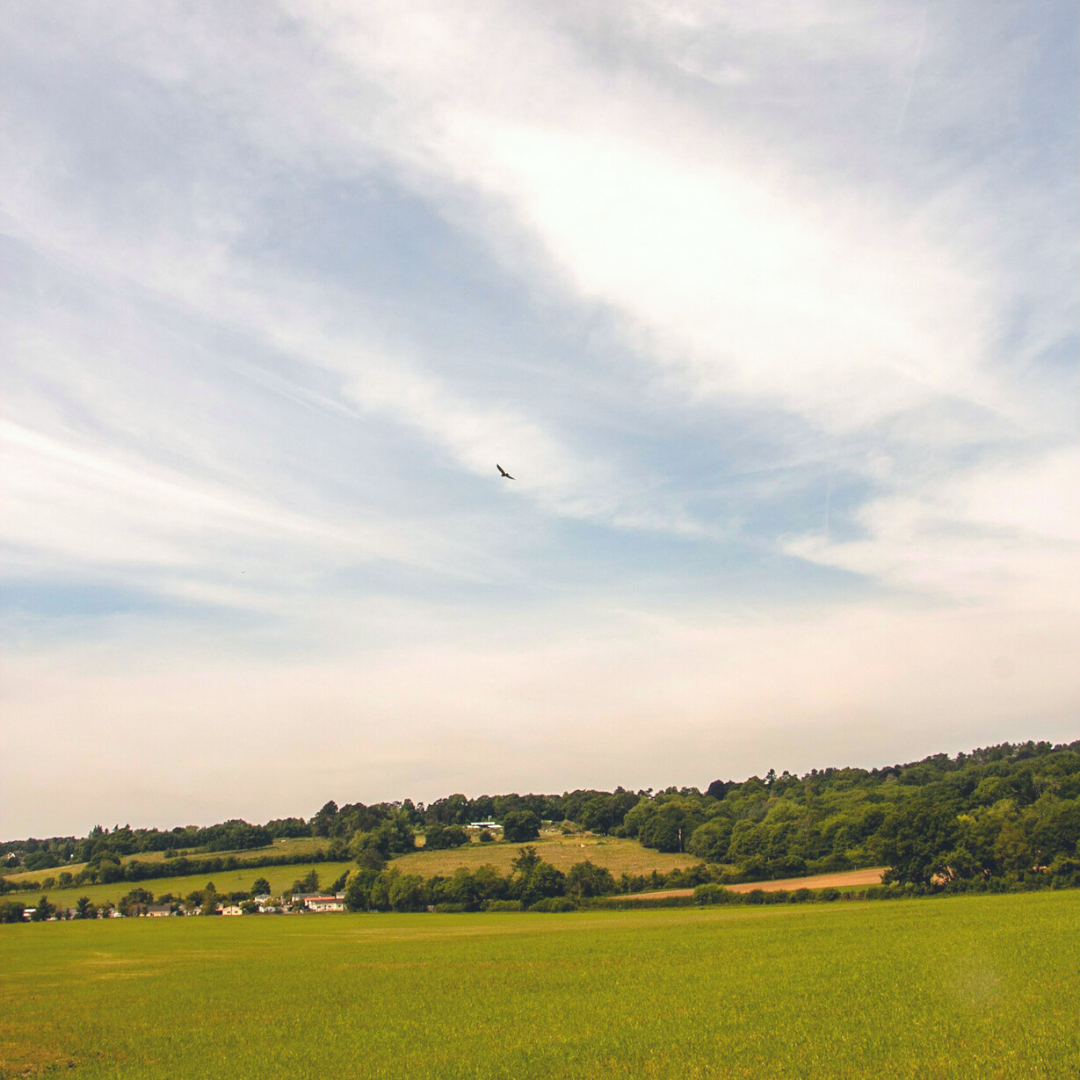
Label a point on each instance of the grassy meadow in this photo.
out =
(300, 848)
(961, 987)
(619, 856)
(225, 881)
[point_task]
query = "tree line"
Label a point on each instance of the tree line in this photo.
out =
(1000, 812)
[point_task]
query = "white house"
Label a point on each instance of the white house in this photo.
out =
(325, 903)
(232, 909)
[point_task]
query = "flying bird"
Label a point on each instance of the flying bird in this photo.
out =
(502, 472)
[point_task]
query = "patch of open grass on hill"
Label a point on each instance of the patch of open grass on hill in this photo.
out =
(619, 856)
(301, 848)
(227, 881)
(939, 989)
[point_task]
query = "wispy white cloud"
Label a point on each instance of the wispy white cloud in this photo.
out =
(758, 301)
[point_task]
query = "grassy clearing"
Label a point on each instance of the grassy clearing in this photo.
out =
(963, 987)
(619, 856)
(227, 881)
(301, 848)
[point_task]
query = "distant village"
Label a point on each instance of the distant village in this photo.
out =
(263, 904)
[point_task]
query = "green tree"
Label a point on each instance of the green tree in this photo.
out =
(521, 826)
(585, 879)
(43, 911)
(358, 889)
(710, 841)
(261, 887)
(671, 827)
(913, 838)
(407, 893)
(543, 881)
(444, 837)
(134, 901)
(527, 860)
(11, 911)
(84, 909)
(309, 883)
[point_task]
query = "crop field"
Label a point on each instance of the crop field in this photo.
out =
(619, 856)
(963, 987)
(225, 881)
(844, 881)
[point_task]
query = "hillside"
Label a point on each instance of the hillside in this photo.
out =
(999, 816)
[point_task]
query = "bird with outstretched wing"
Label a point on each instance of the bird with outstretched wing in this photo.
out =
(502, 472)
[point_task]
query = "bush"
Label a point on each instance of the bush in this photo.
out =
(444, 837)
(450, 909)
(501, 905)
(755, 896)
(554, 903)
(711, 894)
(830, 894)
(11, 911)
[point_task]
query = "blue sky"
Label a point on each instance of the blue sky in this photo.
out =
(769, 308)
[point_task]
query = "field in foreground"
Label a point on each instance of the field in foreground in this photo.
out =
(961, 987)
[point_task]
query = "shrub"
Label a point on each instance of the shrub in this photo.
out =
(502, 905)
(554, 903)
(711, 894)
(443, 837)
(755, 896)
(11, 911)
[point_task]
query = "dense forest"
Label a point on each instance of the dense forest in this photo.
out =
(1007, 813)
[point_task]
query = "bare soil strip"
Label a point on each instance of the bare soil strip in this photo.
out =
(818, 881)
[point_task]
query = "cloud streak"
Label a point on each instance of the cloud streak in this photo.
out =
(768, 308)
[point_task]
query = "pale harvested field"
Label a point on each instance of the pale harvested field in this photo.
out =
(619, 856)
(848, 879)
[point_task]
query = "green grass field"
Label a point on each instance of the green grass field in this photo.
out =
(301, 848)
(619, 856)
(280, 877)
(964, 987)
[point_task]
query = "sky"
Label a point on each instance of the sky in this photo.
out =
(769, 309)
